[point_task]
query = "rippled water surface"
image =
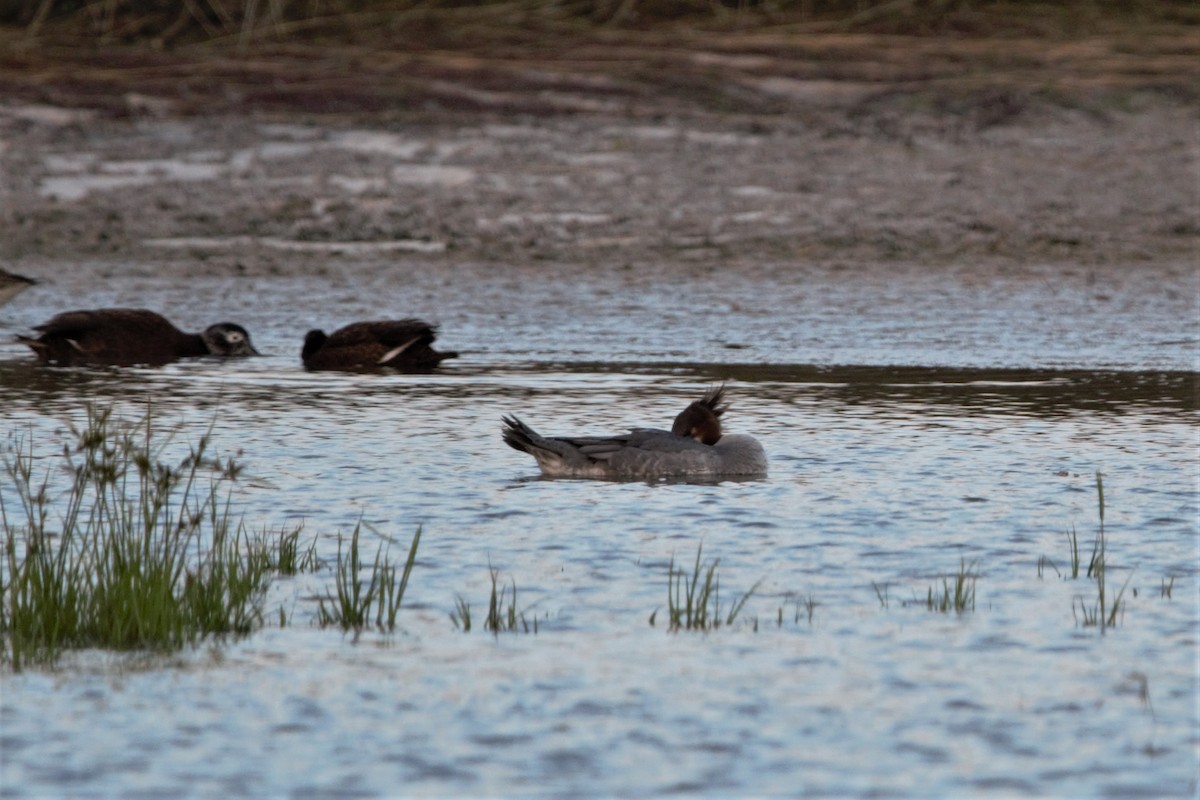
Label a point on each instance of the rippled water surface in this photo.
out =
(914, 420)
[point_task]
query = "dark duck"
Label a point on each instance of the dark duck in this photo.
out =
(127, 336)
(404, 345)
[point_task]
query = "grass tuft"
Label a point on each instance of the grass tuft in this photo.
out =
(694, 601)
(806, 602)
(958, 598)
(1073, 544)
(291, 557)
(1103, 614)
(461, 615)
(140, 552)
(353, 603)
(810, 605)
(502, 615)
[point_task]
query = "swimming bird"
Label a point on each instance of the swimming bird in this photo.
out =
(124, 336)
(695, 447)
(12, 284)
(403, 344)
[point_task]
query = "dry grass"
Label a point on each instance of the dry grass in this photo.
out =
(448, 23)
(369, 57)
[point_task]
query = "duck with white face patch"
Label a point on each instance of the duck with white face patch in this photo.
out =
(128, 336)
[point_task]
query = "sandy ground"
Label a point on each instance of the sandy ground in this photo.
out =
(626, 153)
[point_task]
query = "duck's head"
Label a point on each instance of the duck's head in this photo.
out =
(701, 419)
(228, 339)
(313, 341)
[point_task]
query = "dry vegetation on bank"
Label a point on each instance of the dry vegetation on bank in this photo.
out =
(78, 48)
(450, 23)
(1106, 93)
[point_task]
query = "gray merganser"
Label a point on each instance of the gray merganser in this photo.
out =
(693, 448)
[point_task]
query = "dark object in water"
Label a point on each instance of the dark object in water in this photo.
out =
(124, 336)
(403, 344)
(12, 284)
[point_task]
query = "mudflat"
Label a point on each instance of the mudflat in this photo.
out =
(620, 148)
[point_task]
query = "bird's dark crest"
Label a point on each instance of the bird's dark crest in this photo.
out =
(713, 400)
(700, 420)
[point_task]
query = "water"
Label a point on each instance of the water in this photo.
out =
(914, 419)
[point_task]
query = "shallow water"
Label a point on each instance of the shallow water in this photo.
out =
(913, 418)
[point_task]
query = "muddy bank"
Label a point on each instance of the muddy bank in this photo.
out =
(854, 150)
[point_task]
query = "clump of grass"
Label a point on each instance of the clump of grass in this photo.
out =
(1073, 556)
(1104, 612)
(502, 615)
(806, 602)
(353, 603)
(1073, 542)
(1044, 562)
(461, 615)
(291, 558)
(139, 554)
(1165, 587)
(881, 592)
(694, 601)
(810, 605)
(959, 597)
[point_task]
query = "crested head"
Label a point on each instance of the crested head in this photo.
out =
(701, 419)
(228, 339)
(713, 400)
